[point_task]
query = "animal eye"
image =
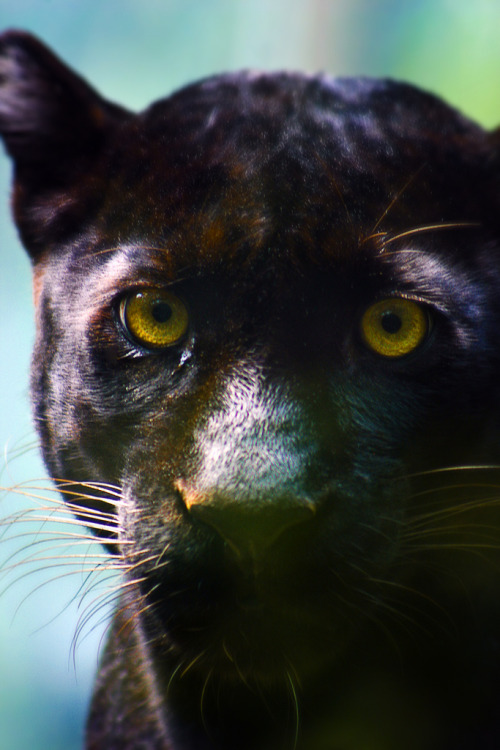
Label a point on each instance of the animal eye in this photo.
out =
(154, 318)
(394, 327)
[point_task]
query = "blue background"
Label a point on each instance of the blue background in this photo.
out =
(135, 52)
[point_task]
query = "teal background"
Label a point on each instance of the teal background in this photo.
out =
(134, 52)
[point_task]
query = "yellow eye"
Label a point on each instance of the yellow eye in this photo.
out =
(154, 318)
(394, 327)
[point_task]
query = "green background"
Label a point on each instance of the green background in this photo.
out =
(136, 51)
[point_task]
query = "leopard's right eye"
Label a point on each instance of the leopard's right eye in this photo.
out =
(394, 327)
(154, 318)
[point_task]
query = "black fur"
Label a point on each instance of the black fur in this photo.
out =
(310, 530)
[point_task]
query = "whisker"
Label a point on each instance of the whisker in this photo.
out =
(202, 701)
(393, 202)
(106, 606)
(295, 700)
(461, 507)
(192, 664)
(465, 468)
(77, 594)
(43, 584)
(39, 556)
(426, 228)
(103, 601)
(45, 520)
(63, 538)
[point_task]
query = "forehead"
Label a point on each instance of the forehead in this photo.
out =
(242, 163)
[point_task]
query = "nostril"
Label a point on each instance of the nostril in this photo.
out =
(249, 530)
(248, 525)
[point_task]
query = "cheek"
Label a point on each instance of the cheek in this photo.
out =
(378, 412)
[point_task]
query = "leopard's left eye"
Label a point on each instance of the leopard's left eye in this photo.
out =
(154, 318)
(395, 327)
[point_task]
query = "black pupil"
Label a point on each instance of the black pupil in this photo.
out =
(161, 311)
(391, 323)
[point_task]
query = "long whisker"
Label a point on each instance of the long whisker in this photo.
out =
(462, 468)
(63, 537)
(393, 202)
(295, 700)
(426, 228)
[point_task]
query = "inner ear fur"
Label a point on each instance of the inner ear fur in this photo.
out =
(53, 125)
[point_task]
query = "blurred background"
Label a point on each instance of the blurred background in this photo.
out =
(134, 52)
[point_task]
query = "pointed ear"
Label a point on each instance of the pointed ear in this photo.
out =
(54, 126)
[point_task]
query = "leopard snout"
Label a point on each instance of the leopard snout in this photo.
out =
(250, 526)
